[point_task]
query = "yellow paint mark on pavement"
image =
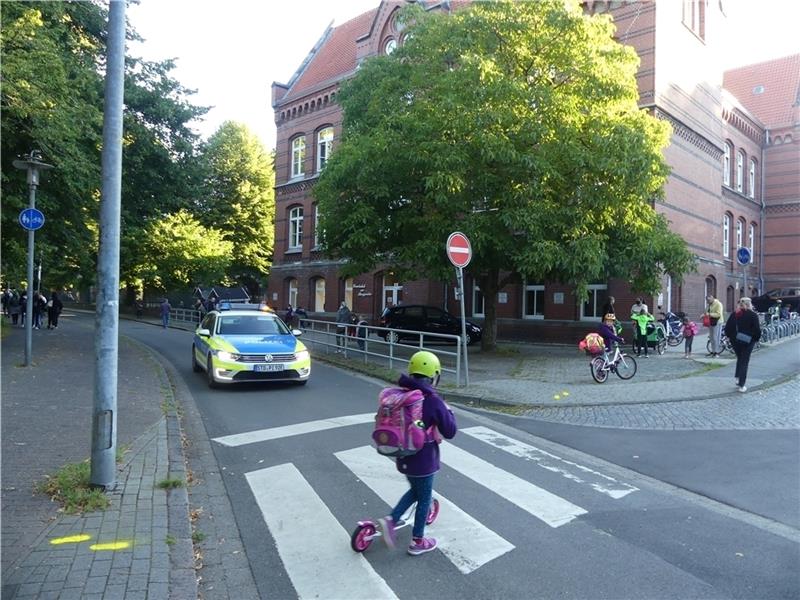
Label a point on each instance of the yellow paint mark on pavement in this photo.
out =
(565, 393)
(110, 546)
(71, 539)
(556, 397)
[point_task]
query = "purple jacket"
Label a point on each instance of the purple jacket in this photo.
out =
(434, 412)
(609, 335)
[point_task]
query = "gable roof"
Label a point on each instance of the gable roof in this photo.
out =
(333, 58)
(770, 89)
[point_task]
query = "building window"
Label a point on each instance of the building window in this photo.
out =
(711, 287)
(533, 302)
(390, 46)
(293, 292)
(298, 156)
(751, 179)
(319, 295)
(739, 233)
(324, 147)
(694, 16)
(751, 241)
(592, 308)
(726, 165)
(726, 235)
(477, 301)
(317, 232)
(348, 292)
(739, 171)
(296, 228)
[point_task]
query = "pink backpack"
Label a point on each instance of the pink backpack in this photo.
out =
(399, 430)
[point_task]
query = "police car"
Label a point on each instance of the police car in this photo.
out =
(239, 343)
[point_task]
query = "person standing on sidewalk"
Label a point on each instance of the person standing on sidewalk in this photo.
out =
(714, 312)
(689, 331)
(743, 330)
(343, 318)
(54, 308)
(165, 308)
(642, 321)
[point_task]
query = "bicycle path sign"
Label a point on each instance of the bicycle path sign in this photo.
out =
(743, 256)
(31, 219)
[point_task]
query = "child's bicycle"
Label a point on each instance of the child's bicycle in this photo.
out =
(367, 530)
(620, 363)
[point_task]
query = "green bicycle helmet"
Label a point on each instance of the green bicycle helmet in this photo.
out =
(426, 364)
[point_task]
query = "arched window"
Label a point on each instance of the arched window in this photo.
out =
(739, 171)
(751, 179)
(296, 228)
(739, 233)
(751, 241)
(298, 156)
(726, 165)
(711, 286)
(726, 235)
(324, 147)
(292, 287)
(477, 301)
(319, 295)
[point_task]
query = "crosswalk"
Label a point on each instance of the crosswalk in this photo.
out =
(288, 503)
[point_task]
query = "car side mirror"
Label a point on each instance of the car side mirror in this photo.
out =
(296, 332)
(203, 333)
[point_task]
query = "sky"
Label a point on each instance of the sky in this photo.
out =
(230, 52)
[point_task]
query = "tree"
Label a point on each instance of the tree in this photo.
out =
(516, 123)
(239, 199)
(180, 252)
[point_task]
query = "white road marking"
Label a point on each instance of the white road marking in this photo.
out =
(312, 544)
(468, 544)
(543, 505)
(274, 433)
(598, 481)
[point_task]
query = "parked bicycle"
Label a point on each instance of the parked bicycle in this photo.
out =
(620, 363)
(672, 323)
(724, 344)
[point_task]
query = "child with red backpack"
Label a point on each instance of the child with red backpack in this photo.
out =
(420, 467)
(689, 331)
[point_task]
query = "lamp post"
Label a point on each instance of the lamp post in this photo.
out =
(32, 164)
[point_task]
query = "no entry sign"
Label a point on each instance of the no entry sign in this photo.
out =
(459, 250)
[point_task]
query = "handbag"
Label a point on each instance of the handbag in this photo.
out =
(743, 337)
(706, 321)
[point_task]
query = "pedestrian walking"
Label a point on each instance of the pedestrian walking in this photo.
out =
(165, 308)
(39, 308)
(714, 314)
(643, 322)
(14, 307)
(54, 308)
(438, 420)
(343, 318)
(689, 331)
(743, 330)
(361, 331)
(5, 298)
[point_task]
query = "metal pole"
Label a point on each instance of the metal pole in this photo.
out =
(460, 277)
(39, 282)
(29, 300)
(104, 421)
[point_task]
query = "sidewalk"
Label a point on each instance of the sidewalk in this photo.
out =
(141, 545)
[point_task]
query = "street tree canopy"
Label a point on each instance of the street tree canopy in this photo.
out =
(516, 123)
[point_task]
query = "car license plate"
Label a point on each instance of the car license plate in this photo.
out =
(269, 367)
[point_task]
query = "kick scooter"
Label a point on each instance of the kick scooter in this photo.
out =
(367, 530)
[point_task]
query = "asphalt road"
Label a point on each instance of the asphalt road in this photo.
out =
(522, 516)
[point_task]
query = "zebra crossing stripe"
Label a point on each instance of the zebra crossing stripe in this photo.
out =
(552, 509)
(274, 433)
(312, 544)
(462, 539)
(597, 481)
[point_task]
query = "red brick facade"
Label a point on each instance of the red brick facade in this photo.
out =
(683, 88)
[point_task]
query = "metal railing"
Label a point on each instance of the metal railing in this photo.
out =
(185, 315)
(382, 345)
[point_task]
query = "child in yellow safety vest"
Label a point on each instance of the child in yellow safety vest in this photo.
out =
(641, 320)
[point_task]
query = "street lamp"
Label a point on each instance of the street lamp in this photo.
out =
(32, 163)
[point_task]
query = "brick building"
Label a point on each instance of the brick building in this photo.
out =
(733, 154)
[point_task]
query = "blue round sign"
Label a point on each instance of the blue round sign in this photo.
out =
(31, 219)
(743, 256)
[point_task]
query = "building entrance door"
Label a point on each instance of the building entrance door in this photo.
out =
(392, 291)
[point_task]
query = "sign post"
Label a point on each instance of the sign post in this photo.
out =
(744, 257)
(459, 251)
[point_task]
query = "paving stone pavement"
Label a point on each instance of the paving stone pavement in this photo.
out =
(47, 423)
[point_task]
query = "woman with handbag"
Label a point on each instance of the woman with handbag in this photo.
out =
(744, 330)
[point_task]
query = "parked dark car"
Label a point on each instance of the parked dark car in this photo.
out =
(430, 319)
(788, 297)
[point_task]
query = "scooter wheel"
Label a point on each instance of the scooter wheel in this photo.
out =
(433, 511)
(362, 537)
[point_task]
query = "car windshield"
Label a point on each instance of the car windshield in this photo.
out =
(251, 325)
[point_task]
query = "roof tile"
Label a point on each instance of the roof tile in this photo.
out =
(770, 89)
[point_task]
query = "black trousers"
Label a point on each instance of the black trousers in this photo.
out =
(641, 342)
(743, 352)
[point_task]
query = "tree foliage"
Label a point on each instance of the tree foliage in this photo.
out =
(182, 252)
(239, 199)
(516, 123)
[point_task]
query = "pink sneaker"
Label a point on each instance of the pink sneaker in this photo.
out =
(388, 527)
(421, 545)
